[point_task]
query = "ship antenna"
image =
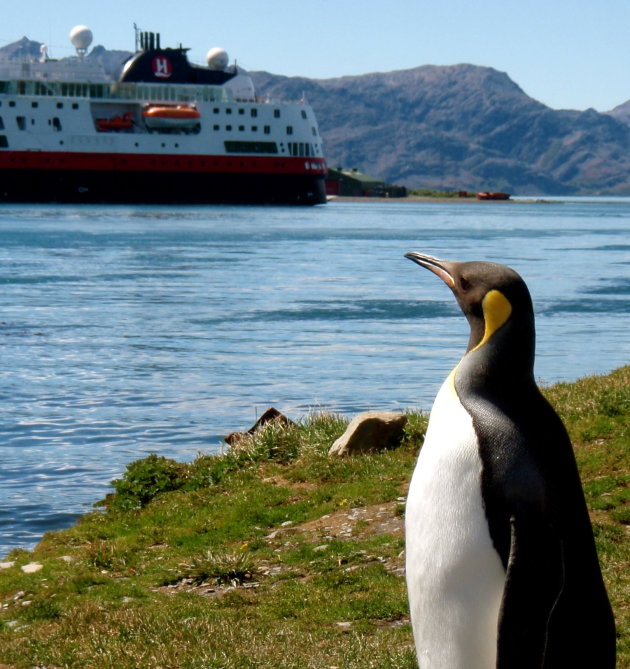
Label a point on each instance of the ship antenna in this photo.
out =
(136, 32)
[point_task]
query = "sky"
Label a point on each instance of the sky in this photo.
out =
(567, 54)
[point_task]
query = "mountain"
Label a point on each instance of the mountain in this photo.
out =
(621, 113)
(462, 127)
(23, 49)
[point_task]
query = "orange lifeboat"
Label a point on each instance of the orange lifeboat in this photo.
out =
(124, 122)
(166, 116)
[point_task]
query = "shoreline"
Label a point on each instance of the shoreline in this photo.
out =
(441, 200)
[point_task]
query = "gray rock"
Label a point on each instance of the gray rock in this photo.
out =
(270, 415)
(370, 432)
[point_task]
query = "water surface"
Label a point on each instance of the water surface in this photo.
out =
(132, 330)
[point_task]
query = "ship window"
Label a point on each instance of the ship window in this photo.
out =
(60, 105)
(303, 114)
(215, 110)
(276, 113)
(34, 104)
(11, 103)
(75, 105)
(21, 122)
(267, 129)
(253, 113)
(56, 124)
(1, 123)
(228, 111)
(254, 128)
(4, 143)
(251, 147)
(241, 111)
(289, 130)
(216, 127)
(314, 131)
(241, 128)
(228, 128)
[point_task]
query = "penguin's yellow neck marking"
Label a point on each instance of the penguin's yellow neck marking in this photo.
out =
(496, 310)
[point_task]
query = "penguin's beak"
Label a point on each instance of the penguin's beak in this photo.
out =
(441, 268)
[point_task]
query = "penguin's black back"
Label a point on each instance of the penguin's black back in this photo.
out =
(536, 510)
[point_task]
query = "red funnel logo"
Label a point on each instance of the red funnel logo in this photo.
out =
(161, 67)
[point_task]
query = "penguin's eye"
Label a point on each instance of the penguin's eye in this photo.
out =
(464, 284)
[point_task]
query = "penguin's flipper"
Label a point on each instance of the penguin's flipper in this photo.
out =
(534, 582)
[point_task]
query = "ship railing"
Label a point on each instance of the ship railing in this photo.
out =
(117, 91)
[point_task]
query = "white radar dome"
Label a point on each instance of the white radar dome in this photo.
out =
(81, 37)
(217, 58)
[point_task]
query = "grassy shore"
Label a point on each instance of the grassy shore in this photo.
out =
(272, 554)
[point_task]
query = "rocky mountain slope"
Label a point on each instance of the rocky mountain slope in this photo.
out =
(463, 127)
(622, 112)
(448, 127)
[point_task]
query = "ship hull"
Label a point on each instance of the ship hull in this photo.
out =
(170, 187)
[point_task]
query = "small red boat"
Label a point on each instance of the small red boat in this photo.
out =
(493, 196)
(124, 122)
(166, 116)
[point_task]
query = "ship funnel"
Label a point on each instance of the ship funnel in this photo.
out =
(149, 41)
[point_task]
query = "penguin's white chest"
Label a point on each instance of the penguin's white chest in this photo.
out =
(455, 577)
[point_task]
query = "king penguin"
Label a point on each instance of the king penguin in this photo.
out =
(501, 566)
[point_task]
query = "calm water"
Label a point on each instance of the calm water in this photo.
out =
(126, 331)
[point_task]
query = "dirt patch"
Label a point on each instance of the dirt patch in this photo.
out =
(346, 523)
(362, 521)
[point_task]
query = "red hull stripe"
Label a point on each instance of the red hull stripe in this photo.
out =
(128, 162)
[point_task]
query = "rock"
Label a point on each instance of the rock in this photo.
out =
(6, 565)
(32, 567)
(370, 432)
(270, 415)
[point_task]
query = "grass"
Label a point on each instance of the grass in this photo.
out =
(273, 554)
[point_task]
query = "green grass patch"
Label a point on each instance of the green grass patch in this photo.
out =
(241, 559)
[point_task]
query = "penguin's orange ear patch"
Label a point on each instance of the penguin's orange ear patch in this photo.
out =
(496, 310)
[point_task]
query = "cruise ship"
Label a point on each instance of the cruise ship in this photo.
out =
(164, 130)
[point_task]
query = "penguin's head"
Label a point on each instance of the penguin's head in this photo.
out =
(489, 294)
